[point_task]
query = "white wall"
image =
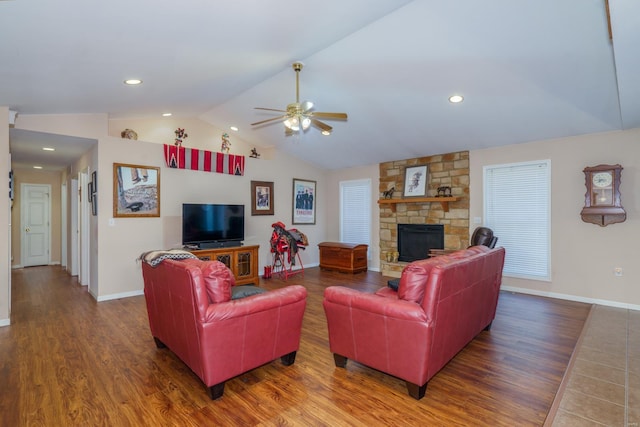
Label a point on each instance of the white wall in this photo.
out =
(583, 255)
(5, 219)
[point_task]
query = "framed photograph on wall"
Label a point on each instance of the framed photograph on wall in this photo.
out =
(90, 192)
(94, 181)
(415, 181)
(94, 205)
(261, 198)
(11, 184)
(304, 201)
(136, 191)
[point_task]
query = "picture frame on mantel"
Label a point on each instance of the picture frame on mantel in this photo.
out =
(304, 201)
(261, 198)
(136, 191)
(415, 181)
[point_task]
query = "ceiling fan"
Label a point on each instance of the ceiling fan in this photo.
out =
(299, 115)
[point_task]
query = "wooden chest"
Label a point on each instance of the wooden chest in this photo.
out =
(343, 257)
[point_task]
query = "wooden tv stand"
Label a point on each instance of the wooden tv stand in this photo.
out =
(241, 260)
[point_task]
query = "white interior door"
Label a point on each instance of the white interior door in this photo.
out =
(35, 224)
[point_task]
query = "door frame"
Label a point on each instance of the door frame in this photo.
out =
(23, 216)
(83, 216)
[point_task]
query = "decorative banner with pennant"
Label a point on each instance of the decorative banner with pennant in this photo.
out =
(203, 160)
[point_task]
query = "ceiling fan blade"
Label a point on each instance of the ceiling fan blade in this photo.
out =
(269, 120)
(329, 115)
(306, 106)
(269, 109)
(320, 125)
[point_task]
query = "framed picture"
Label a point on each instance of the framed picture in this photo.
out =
(94, 181)
(90, 192)
(94, 205)
(304, 206)
(415, 181)
(11, 184)
(261, 198)
(136, 191)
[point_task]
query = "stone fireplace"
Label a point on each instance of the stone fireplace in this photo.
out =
(451, 170)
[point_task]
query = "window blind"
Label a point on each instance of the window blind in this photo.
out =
(355, 211)
(517, 201)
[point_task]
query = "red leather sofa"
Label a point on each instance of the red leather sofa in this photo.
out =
(191, 311)
(441, 304)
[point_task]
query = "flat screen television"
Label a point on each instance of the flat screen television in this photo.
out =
(212, 226)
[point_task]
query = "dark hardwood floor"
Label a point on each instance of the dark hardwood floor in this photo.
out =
(67, 360)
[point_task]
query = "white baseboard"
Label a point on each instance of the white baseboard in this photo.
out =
(571, 298)
(5, 322)
(17, 266)
(118, 296)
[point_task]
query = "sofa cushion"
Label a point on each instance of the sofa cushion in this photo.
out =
(414, 278)
(218, 279)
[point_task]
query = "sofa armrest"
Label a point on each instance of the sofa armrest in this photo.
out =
(375, 304)
(255, 303)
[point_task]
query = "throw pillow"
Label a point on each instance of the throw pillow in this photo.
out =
(238, 292)
(218, 281)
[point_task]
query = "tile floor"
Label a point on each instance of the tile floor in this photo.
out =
(602, 383)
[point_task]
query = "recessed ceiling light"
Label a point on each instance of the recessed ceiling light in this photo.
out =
(166, 114)
(132, 82)
(234, 128)
(48, 149)
(37, 167)
(326, 133)
(456, 99)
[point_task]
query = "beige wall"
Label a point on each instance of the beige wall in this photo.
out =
(333, 178)
(116, 243)
(123, 241)
(33, 176)
(581, 268)
(5, 222)
(201, 134)
(583, 255)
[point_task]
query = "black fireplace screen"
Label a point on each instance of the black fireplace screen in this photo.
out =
(415, 240)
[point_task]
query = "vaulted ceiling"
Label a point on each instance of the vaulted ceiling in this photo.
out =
(528, 70)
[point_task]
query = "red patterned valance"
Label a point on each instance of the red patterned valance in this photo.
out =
(202, 160)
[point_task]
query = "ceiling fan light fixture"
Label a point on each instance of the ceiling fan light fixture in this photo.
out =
(306, 122)
(298, 115)
(293, 123)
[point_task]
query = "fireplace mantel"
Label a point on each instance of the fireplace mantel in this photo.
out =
(444, 201)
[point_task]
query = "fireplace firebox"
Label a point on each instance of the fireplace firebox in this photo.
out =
(415, 240)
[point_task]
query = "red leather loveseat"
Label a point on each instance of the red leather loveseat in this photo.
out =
(191, 311)
(441, 304)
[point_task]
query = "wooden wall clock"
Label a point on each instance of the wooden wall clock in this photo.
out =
(602, 203)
